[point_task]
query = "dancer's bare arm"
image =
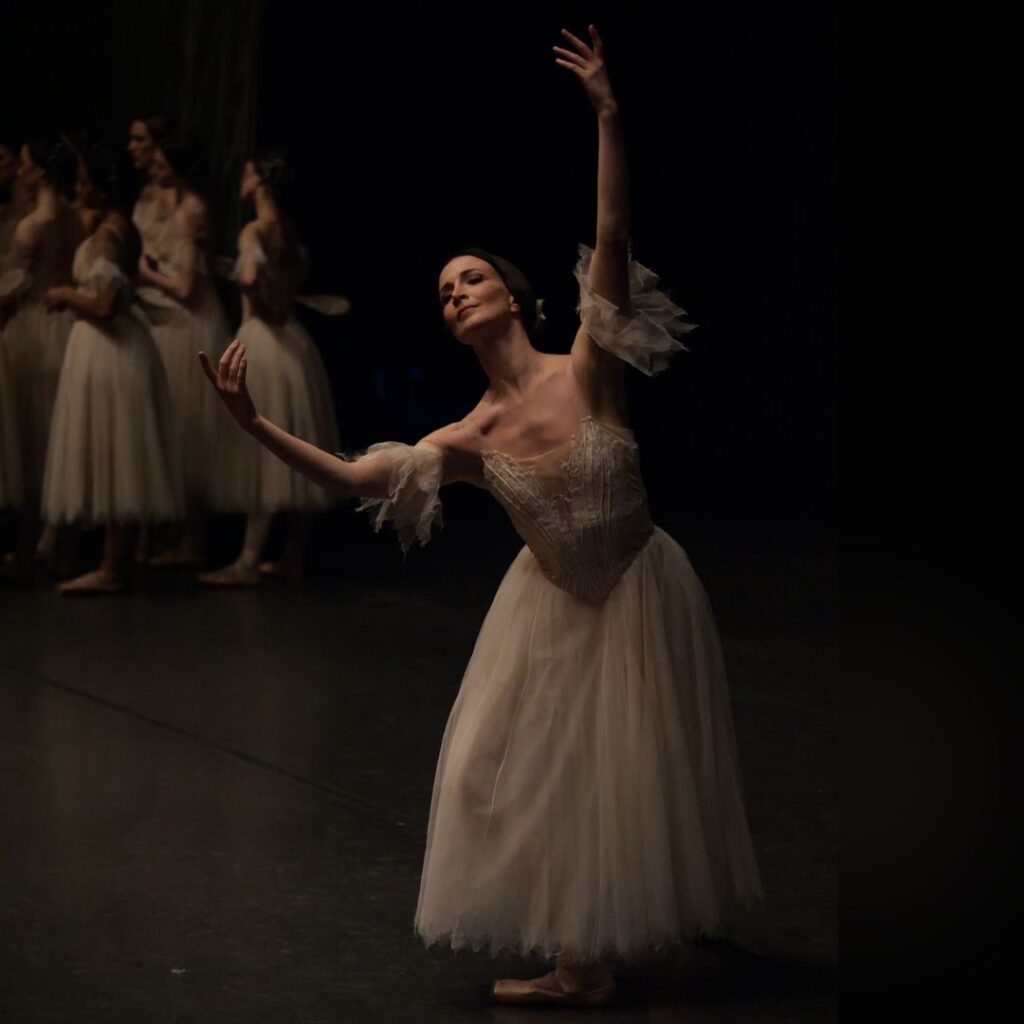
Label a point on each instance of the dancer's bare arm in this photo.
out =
(600, 372)
(368, 477)
(192, 225)
(99, 306)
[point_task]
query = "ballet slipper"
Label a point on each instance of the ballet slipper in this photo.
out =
(232, 575)
(548, 990)
(90, 584)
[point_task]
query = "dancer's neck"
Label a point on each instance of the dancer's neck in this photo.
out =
(510, 362)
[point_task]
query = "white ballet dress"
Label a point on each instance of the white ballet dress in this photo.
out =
(10, 454)
(286, 378)
(110, 457)
(34, 337)
(588, 796)
(181, 330)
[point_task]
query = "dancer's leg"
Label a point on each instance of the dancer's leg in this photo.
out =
(292, 563)
(109, 577)
(243, 571)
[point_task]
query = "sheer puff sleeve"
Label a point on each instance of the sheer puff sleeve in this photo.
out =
(412, 504)
(646, 338)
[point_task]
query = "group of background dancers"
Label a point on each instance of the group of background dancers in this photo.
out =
(107, 292)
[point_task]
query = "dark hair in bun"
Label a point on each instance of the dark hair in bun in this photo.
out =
(59, 163)
(277, 172)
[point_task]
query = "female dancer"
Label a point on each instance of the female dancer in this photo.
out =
(185, 313)
(154, 203)
(109, 457)
(34, 337)
(587, 798)
(289, 382)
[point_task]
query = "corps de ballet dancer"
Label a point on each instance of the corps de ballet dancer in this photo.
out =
(290, 383)
(110, 456)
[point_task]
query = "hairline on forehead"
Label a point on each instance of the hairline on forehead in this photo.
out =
(468, 256)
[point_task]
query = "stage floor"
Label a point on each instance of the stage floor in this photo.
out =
(214, 804)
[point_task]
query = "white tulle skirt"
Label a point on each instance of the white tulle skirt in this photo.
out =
(10, 453)
(110, 457)
(180, 333)
(289, 386)
(34, 339)
(588, 796)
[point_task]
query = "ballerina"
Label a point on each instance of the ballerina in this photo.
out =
(587, 799)
(290, 383)
(109, 459)
(154, 203)
(181, 303)
(34, 337)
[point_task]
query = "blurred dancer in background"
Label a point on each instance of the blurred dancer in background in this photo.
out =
(109, 459)
(181, 303)
(34, 336)
(290, 382)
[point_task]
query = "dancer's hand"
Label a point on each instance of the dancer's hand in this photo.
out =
(56, 298)
(229, 381)
(587, 64)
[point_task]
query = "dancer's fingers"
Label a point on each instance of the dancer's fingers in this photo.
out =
(241, 372)
(598, 41)
(571, 67)
(569, 55)
(236, 358)
(208, 369)
(225, 360)
(578, 43)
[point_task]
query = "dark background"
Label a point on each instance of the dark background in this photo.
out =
(418, 130)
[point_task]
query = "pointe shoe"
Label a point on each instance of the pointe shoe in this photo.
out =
(91, 584)
(547, 991)
(232, 575)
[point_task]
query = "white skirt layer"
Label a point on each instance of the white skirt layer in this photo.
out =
(34, 340)
(588, 795)
(288, 383)
(180, 333)
(110, 456)
(10, 450)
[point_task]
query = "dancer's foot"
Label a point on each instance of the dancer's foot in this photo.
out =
(97, 582)
(233, 575)
(283, 569)
(176, 558)
(560, 987)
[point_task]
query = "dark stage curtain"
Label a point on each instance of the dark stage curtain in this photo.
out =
(69, 67)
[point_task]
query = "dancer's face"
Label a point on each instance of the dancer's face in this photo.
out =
(141, 146)
(29, 172)
(474, 297)
(161, 171)
(8, 165)
(251, 181)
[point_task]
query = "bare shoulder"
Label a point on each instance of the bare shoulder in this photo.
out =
(456, 438)
(249, 234)
(460, 445)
